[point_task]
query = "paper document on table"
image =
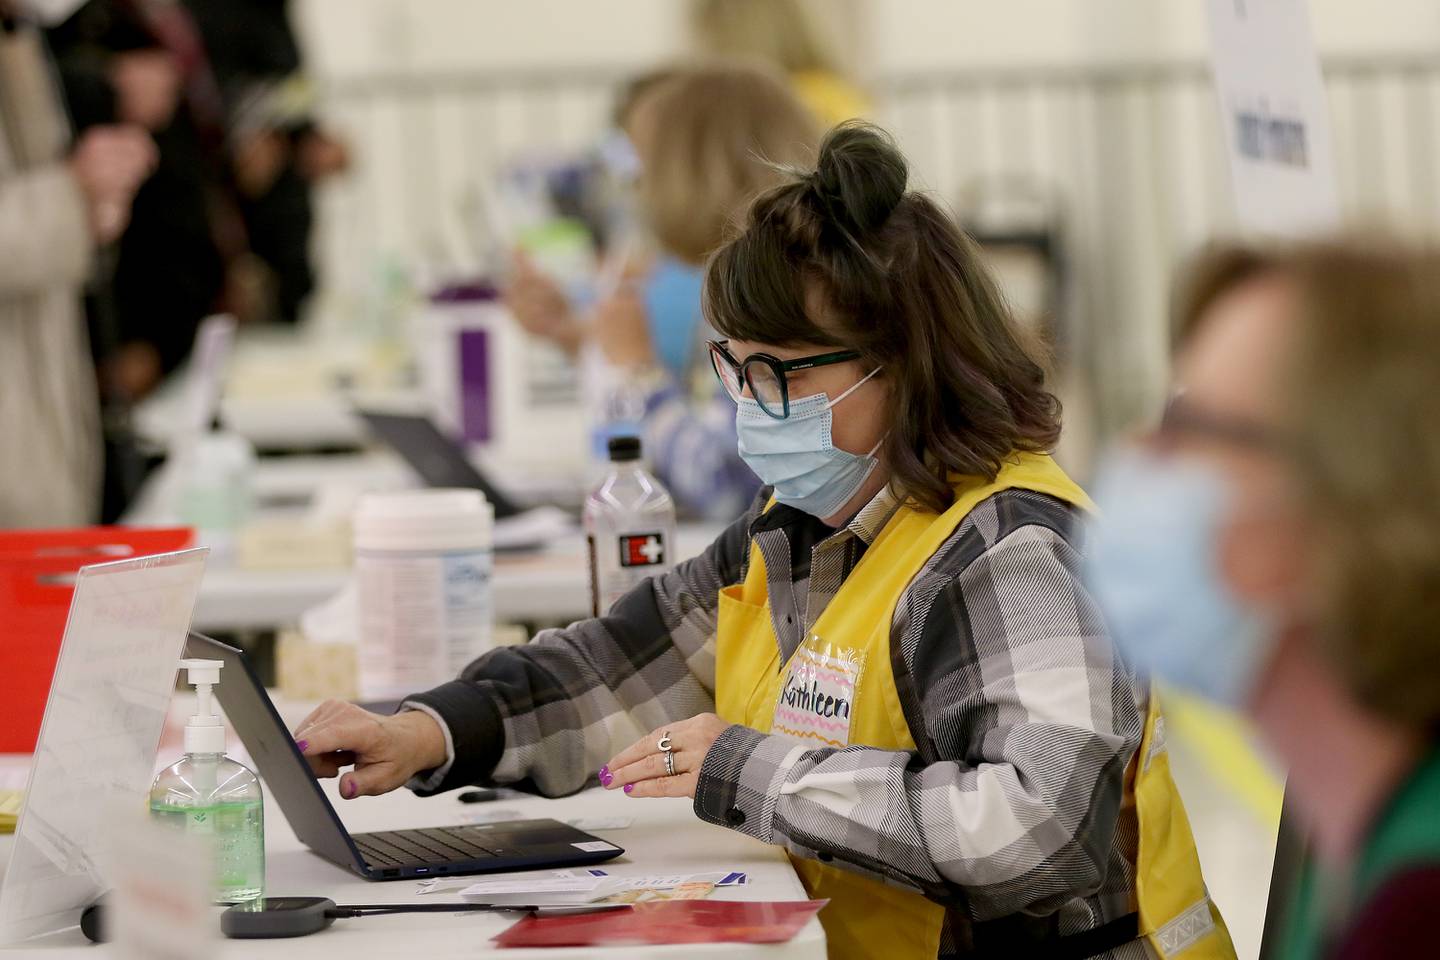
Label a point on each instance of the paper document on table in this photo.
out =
(574, 887)
(441, 885)
(591, 824)
(534, 527)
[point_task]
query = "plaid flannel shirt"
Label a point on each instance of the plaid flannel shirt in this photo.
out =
(1012, 810)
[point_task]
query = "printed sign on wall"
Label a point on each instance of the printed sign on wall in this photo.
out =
(1274, 115)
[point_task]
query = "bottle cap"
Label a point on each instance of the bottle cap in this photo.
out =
(624, 448)
(204, 733)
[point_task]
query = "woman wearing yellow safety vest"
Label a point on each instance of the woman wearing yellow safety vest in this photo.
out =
(889, 665)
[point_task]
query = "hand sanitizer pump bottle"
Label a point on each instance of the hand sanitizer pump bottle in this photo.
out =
(210, 796)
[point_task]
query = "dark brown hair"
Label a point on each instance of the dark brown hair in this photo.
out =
(903, 285)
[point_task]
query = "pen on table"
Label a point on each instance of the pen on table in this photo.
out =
(483, 795)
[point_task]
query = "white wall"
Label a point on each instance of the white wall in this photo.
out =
(943, 34)
(357, 36)
(1135, 164)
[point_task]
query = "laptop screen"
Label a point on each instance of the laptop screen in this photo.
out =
(258, 725)
(438, 460)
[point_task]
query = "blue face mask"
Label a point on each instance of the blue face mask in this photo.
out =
(1151, 566)
(672, 304)
(798, 457)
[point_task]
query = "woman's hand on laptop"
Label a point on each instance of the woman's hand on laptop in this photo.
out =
(385, 751)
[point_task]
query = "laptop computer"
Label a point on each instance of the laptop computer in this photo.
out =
(438, 460)
(387, 854)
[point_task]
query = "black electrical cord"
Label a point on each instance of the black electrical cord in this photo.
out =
(342, 911)
(302, 916)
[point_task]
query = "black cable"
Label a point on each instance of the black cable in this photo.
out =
(279, 917)
(342, 911)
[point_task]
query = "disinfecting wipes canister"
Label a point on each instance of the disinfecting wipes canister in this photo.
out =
(424, 561)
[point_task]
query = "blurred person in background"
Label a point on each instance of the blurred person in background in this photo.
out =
(277, 150)
(782, 34)
(58, 201)
(1275, 547)
(707, 140)
(144, 62)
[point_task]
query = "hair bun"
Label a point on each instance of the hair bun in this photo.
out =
(860, 176)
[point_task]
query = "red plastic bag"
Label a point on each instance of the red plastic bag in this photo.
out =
(37, 578)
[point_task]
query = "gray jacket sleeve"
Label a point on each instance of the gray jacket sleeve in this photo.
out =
(549, 713)
(45, 239)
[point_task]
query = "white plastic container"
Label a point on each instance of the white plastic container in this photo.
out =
(513, 398)
(212, 477)
(461, 342)
(424, 560)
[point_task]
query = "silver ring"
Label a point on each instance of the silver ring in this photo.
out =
(669, 764)
(664, 745)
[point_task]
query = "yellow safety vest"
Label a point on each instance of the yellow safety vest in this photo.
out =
(838, 688)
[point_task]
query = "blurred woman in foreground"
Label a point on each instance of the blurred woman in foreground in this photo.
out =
(1276, 547)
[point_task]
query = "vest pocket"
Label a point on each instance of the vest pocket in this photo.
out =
(746, 666)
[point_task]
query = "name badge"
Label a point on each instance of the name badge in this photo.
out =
(817, 694)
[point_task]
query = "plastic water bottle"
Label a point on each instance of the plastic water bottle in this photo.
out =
(630, 526)
(207, 795)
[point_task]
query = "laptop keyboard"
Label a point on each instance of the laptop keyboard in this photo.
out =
(394, 848)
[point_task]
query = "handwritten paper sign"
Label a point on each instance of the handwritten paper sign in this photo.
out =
(817, 694)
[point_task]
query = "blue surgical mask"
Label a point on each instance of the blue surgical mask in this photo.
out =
(672, 304)
(618, 156)
(1151, 565)
(798, 457)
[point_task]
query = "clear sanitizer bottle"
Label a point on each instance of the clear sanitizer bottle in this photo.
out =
(210, 796)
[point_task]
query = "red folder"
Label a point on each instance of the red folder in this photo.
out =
(668, 921)
(37, 578)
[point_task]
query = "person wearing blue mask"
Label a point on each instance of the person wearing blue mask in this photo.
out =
(700, 142)
(888, 665)
(1274, 546)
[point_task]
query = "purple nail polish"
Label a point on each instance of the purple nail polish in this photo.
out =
(301, 745)
(629, 787)
(349, 790)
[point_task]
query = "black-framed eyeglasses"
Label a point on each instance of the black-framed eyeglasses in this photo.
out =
(766, 376)
(1185, 419)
